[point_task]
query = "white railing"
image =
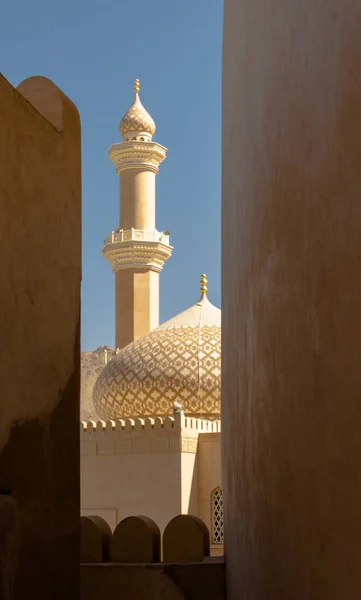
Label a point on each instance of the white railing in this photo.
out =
(129, 235)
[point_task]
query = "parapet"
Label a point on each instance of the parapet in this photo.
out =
(201, 425)
(137, 539)
(120, 427)
(159, 434)
(96, 536)
(137, 542)
(134, 427)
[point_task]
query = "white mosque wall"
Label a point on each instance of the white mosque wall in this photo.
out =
(209, 479)
(154, 467)
(189, 479)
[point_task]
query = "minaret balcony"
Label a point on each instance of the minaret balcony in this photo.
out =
(127, 235)
(137, 249)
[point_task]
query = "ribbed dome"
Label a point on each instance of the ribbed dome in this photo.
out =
(137, 119)
(180, 361)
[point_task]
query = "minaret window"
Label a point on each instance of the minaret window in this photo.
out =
(217, 516)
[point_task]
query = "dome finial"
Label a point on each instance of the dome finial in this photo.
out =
(204, 282)
(137, 124)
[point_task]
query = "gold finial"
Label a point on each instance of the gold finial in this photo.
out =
(204, 282)
(136, 86)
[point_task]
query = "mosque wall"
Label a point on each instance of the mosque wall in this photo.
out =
(116, 486)
(158, 467)
(131, 470)
(189, 477)
(209, 479)
(131, 482)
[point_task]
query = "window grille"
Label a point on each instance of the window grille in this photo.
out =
(217, 516)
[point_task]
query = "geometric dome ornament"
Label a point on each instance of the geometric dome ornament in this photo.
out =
(179, 362)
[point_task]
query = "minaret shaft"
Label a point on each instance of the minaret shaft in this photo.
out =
(136, 250)
(137, 199)
(136, 290)
(137, 304)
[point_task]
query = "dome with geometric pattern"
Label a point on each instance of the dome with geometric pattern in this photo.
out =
(137, 120)
(179, 363)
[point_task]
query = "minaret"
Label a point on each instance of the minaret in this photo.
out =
(136, 250)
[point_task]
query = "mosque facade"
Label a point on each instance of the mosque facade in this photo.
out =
(153, 444)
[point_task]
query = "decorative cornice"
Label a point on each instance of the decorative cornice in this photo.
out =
(136, 155)
(146, 445)
(137, 255)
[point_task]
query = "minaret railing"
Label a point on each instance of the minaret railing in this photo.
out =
(129, 235)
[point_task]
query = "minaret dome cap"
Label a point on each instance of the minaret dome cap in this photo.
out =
(137, 120)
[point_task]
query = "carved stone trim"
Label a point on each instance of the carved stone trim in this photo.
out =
(137, 255)
(132, 155)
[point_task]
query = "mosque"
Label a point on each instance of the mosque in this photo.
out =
(153, 447)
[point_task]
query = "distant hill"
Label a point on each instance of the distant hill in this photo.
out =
(89, 360)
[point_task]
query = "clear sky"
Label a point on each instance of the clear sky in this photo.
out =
(93, 50)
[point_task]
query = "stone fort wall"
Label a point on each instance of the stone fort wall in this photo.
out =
(40, 266)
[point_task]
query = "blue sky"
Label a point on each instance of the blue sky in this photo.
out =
(93, 50)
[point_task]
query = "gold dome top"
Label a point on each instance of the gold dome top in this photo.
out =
(137, 119)
(204, 282)
(180, 361)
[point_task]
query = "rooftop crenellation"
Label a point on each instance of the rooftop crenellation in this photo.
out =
(177, 424)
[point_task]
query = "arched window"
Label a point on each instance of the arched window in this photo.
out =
(217, 516)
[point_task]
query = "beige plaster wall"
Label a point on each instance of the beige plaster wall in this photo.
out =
(155, 471)
(40, 267)
(137, 199)
(209, 478)
(133, 480)
(291, 319)
(137, 304)
(189, 482)
(40, 130)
